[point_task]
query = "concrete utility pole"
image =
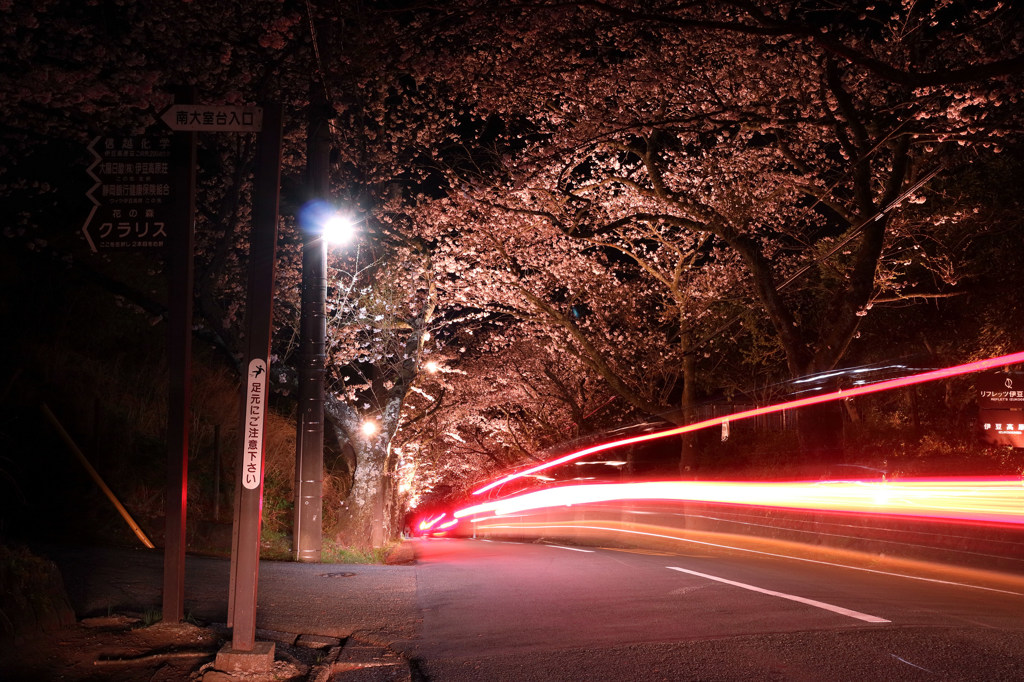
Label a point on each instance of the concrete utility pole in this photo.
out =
(309, 442)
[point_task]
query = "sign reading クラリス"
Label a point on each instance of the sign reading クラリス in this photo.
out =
(132, 195)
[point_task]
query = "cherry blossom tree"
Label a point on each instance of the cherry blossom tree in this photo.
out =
(630, 205)
(794, 136)
(493, 403)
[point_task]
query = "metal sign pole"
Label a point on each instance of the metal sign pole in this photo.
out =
(179, 321)
(245, 560)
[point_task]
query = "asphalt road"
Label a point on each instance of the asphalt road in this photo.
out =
(531, 611)
(479, 610)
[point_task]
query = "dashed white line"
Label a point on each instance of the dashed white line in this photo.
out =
(571, 549)
(785, 556)
(792, 597)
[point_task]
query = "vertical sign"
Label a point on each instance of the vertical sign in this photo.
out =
(1001, 408)
(255, 412)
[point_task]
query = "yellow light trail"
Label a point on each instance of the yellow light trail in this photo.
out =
(992, 500)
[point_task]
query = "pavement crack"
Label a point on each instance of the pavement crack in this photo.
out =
(912, 665)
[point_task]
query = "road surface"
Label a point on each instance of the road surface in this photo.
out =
(480, 610)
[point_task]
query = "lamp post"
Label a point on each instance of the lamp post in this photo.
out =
(320, 226)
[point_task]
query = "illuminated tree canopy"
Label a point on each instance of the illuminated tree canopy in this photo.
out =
(586, 213)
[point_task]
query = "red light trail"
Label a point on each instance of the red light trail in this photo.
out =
(911, 380)
(993, 500)
(427, 524)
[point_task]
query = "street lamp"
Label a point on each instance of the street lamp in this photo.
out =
(320, 224)
(338, 229)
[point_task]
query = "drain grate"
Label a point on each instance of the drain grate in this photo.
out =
(340, 574)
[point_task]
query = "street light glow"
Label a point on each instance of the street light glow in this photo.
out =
(369, 427)
(338, 229)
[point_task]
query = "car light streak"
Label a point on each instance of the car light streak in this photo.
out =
(447, 524)
(841, 394)
(427, 524)
(993, 500)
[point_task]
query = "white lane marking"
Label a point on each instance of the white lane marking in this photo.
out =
(782, 556)
(792, 597)
(571, 549)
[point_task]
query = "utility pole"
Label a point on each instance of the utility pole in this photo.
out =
(309, 442)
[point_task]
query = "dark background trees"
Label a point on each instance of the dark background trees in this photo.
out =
(587, 214)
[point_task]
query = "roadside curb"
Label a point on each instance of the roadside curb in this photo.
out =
(357, 661)
(402, 554)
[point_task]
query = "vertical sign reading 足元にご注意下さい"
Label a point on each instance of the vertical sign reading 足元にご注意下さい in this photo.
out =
(255, 411)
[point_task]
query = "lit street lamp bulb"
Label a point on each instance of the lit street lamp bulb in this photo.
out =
(431, 367)
(338, 229)
(369, 427)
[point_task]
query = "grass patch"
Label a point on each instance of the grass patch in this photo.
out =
(275, 545)
(332, 553)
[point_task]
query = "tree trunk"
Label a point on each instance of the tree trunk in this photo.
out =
(820, 430)
(688, 448)
(365, 528)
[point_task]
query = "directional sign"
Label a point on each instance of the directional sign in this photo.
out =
(132, 193)
(213, 119)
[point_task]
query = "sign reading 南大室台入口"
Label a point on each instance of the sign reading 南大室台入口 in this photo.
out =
(207, 118)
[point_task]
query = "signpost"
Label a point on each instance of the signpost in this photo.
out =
(180, 249)
(245, 554)
(132, 195)
(145, 195)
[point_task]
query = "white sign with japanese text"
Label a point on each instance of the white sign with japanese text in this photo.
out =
(213, 119)
(1001, 407)
(255, 413)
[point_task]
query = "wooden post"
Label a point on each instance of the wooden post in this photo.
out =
(259, 317)
(180, 246)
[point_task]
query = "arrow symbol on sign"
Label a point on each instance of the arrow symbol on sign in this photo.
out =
(91, 193)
